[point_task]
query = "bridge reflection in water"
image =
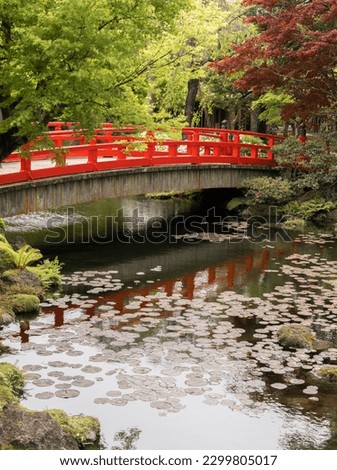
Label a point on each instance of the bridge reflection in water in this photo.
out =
(205, 283)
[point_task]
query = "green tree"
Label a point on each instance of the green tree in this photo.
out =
(76, 60)
(182, 82)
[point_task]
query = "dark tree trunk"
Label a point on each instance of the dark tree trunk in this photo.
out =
(254, 120)
(10, 142)
(192, 92)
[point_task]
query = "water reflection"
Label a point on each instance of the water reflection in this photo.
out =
(180, 342)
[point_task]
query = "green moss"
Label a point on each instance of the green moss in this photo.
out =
(328, 372)
(174, 194)
(11, 378)
(295, 336)
(24, 289)
(85, 429)
(6, 396)
(25, 304)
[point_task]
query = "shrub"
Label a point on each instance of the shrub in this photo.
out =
(309, 166)
(308, 210)
(267, 190)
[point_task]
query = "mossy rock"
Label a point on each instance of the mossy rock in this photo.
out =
(328, 372)
(6, 315)
(85, 429)
(25, 304)
(295, 336)
(24, 289)
(12, 378)
(6, 261)
(21, 277)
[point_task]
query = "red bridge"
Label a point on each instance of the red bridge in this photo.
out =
(112, 148)
(198, 160)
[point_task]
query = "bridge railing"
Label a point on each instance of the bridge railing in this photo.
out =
(112, 148)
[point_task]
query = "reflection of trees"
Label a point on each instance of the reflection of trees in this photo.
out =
(127, 439)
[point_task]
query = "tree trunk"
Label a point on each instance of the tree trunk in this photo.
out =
(9, 142)
(254, 120)
(192, 92)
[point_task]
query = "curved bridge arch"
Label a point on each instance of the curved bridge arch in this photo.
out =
(118, 163)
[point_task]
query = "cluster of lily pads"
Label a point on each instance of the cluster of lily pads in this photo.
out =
(226, 348)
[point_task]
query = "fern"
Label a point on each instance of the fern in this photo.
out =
(27, 255)
(23, 257)
(49, 273)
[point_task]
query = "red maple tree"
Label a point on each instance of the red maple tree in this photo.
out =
(295, 50)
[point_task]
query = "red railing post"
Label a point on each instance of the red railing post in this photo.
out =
(236, 146)
(271, 143)
(25, 165)
(92, 151)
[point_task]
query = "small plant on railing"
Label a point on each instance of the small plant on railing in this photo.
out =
(130, 146)
(249, 139)
(44, 142)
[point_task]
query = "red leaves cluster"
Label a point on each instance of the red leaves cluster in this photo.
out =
(295, 49)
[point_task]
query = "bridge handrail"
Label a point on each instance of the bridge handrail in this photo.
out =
(113, 148)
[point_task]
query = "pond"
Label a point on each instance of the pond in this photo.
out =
(179, 338)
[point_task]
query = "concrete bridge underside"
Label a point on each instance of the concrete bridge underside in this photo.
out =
(52, 193)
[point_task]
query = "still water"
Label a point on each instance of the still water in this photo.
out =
(179, 338)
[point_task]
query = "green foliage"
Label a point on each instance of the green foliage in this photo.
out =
(76, 60)
(309, 166)
(22, 257)
(288, 151)
(6, 396)
(272, 103)
(12, 378)
(201, 34)
(308, 210)
(267, 190)
(237, 202)
(49, 273)
(251, 139)
(2, 225)
(82, 428)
